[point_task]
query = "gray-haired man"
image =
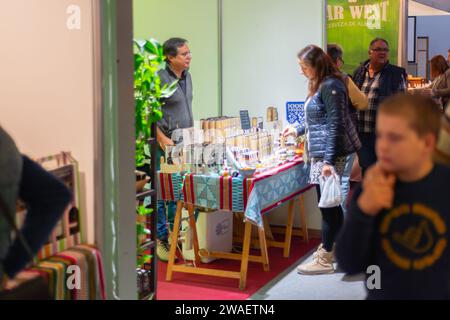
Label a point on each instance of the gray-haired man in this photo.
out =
(177, 114)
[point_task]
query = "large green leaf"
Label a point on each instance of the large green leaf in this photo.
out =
(140, 229)
(139, 43)
(158, 46)
(151, 46)
(147, 132)
(143, 211)
(138, 60)
(167, 92)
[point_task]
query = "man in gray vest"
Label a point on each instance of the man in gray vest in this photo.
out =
(177, 114)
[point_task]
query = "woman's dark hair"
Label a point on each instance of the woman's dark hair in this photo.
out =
(313, 56)
(438, 66)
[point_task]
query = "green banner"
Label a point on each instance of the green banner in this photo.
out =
(353, 24)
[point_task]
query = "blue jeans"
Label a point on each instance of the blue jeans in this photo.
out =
(161, 226)
(345, 181)
(367, 155)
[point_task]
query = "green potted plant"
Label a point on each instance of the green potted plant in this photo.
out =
(141, 235)
(148, 93)
(149, 59)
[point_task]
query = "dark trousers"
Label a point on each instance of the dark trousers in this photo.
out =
(367, 155)
(46, 197)
(332, 220)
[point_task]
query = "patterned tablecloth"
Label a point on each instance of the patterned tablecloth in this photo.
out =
(254, 196)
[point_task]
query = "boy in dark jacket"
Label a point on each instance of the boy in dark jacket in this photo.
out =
(400, 219)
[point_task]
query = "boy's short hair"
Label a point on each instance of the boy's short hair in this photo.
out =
(422, 113)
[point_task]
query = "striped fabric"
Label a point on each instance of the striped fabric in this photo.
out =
(98, 268)
(55, 272)
(226, 194)
(238, 196)
(170, 186)
(64, 248)
(188, 189)
(247, 189)
(83, 292)
(53, 248)
(216, 192)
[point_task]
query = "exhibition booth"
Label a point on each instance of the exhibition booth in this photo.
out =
(245, 211)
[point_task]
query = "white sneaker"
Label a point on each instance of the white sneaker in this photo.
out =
(162, 250)
(322, 263)
(320, 247)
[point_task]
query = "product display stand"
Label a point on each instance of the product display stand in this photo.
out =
(245, 257)
(254, 197)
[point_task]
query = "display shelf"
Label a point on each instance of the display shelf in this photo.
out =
(144, 278)
(145, 194)
(153, 217)
(148, 245)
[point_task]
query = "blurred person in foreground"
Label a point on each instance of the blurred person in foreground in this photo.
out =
(399, 220)
(45, 197)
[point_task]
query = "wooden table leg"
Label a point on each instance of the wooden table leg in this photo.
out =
(193, 227)
(245, 254)
(303, 219)
(263, 246)
(174, 237)
(289, 225)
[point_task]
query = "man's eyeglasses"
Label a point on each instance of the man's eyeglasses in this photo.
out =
(380, 50)
(185, 54)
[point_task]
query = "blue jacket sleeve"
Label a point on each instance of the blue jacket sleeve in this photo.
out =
(334, 97)
(355, 243)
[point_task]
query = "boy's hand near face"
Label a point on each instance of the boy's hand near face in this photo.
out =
(378, 191)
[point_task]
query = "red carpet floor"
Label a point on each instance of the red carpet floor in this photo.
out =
(186, 286)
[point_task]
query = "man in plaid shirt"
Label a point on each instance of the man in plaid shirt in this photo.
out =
(378, 79)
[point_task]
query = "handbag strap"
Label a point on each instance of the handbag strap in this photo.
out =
(9, 218)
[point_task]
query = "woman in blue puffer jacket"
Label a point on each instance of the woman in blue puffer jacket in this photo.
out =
(331, 136)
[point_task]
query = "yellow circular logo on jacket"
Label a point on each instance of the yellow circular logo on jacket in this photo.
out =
(421, 244)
